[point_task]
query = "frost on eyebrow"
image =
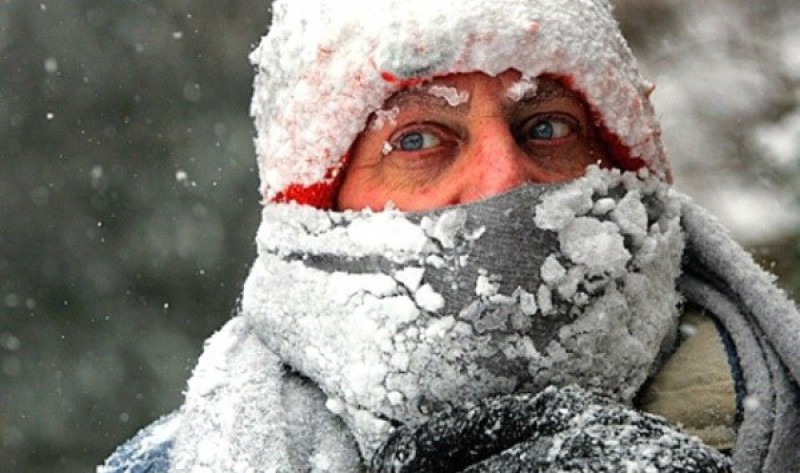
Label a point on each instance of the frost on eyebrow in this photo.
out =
(382, 117)
(524, 88)
(451, 95)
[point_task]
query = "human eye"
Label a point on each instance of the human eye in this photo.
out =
(427, 148)
(548, 128)
(416, 140)
(422, 140)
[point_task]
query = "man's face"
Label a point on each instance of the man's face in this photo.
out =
(434, 146)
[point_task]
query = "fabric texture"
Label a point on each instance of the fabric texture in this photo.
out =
(148, 451)
(243, 412)
(695, 388)
(764, 325)
(554, 430)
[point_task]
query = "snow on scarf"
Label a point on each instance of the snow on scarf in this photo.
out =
(396, 316)
(244, 408)
(234, 414)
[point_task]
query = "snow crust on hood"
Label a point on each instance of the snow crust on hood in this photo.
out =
(398, 315)
(325, 66)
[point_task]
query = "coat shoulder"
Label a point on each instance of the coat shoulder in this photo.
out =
(148, 451)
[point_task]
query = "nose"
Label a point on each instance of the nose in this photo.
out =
(493, 163)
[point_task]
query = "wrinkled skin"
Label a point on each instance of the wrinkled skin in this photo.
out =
(423, 151)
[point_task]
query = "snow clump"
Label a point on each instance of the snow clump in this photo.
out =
(383, 118)
(618, 256)
(451, 95)
(522, 89)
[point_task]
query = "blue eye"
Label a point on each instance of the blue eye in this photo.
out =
(543, 130)
(417, 140)
(549, 130)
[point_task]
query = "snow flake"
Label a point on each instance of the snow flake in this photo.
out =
(521, 321)
(502, 299)
(568, 286)
(387, 233)
(400, 361)
(439, 327)
(688, 330)
(51, 65)
(751, 403)
(781, 141)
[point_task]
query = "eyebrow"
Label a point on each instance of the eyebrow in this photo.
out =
(542, 96)
(422, 96)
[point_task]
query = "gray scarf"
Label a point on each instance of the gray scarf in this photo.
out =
(396, 315)
(354, 334)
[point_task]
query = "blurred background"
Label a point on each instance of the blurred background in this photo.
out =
(128, 191)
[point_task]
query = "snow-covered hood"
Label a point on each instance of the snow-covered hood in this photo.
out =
(326, 65)
(397, 315)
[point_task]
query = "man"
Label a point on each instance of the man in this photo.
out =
(470, 257)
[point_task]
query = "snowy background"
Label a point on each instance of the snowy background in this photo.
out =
(128, 192)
